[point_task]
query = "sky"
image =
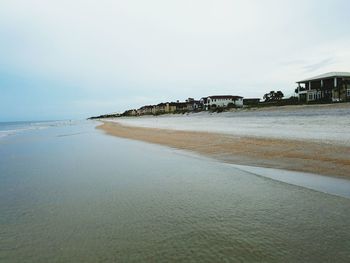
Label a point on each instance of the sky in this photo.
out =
(69, 59)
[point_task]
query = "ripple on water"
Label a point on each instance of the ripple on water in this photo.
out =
(93, 198)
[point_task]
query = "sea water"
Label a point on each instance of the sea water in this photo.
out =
(70, 193)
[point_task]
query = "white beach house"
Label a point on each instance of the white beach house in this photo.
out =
(328, 87)
(222, 101)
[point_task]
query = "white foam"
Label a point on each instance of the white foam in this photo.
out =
(15, 128)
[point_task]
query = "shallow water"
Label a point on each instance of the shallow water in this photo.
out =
(326, 184)
(69, 193)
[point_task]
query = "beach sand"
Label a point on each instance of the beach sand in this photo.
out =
(296, 155)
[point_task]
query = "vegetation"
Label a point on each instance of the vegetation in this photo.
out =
(105, 116)
(273, 96)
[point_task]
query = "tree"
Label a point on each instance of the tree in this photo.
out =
(279, 95)
(273, 96)
(231, 105)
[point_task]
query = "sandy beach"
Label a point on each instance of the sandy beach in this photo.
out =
(310, 139)
(319, 158)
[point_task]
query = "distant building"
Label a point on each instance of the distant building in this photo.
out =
(181, 106)
(130, 113)
(192, 104)
(145, 110)
(171, 107)
(222, 101)
(161, 108)
(167, 107)
(328, 87)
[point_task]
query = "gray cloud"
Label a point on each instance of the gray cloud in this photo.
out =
(320, 64)
(135, 52)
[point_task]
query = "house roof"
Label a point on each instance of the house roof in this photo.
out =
(193, 102)
(146, 107)
(225, 97)
(181, 104)
(326, 76)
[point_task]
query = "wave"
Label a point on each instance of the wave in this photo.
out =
(13, 128)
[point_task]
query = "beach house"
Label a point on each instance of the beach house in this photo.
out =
(161, 108)
(192, 104)
(328, 87)
(181, 106)
(164, 107)
(145, 110)
(222, 101)
(132, 112)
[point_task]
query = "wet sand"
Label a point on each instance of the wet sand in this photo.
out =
(296, 155)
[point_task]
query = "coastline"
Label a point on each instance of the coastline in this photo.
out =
(295, 155)
(316, 123)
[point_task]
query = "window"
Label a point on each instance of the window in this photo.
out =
(311, 96)
(348, 92)
(319, 95)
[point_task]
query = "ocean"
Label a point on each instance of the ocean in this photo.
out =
(70, 193)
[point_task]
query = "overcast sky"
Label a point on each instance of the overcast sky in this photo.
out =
(73, 59)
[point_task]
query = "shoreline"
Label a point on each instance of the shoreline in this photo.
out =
(294, 155)
(321, 124)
